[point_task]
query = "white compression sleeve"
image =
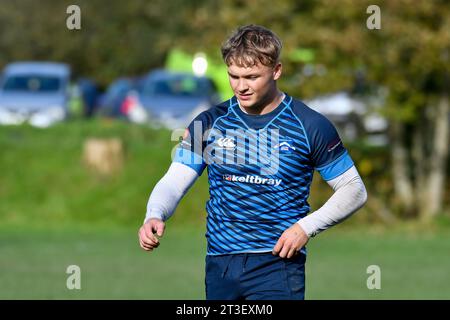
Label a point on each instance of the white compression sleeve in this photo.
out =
(349, 195)
(169, 190)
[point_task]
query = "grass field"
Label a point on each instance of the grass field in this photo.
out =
(33, 264)
(44, 175)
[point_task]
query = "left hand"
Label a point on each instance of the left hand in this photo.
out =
(290, 241)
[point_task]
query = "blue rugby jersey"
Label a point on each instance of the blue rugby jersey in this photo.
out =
(260, 169)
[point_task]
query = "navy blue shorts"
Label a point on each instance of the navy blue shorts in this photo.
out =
(255, 276)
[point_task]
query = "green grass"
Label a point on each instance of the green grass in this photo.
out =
(33, 264)
(45, 179)
(414, 264)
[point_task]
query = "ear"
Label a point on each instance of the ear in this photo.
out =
(277, 71)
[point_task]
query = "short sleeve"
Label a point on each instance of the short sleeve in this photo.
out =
(190, 149)
(328, 154)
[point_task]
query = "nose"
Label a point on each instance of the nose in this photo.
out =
(242, 85)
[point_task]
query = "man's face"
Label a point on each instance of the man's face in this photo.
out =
(254, 85)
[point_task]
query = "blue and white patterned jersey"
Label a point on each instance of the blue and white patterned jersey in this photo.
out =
(260, 169)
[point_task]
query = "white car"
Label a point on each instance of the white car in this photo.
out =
(34, 92)
(351, 116)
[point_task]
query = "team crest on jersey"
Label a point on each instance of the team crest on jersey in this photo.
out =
(285, 146)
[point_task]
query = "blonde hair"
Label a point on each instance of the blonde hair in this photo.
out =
(250, 45)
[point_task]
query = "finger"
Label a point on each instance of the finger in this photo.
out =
(148, 231)
(151, 246)
(154, 228)
(146, 240)
(291, 253)
(285, 250)
(278, 246)
(144, 246)
(143, 234)
(160, 229)
(148, 243)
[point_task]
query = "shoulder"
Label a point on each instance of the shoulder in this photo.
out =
(209, 116)
(315, 123)
(309, 117)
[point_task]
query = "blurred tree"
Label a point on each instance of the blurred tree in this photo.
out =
(326, 46)
(409, 57)
(117, 38)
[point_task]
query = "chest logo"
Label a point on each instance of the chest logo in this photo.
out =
(285, 146)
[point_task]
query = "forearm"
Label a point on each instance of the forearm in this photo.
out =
(349, 196)
(169, 190)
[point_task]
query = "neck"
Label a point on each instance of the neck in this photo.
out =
(267, 105)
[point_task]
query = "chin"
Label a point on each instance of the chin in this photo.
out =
(247, 103)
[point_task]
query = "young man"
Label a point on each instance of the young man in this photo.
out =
(261, 148)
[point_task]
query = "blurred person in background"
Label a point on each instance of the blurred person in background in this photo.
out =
(89, 94)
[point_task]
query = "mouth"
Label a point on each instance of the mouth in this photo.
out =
(244, 96)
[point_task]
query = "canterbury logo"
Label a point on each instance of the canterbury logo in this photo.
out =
(226, 143)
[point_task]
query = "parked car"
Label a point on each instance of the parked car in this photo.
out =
(110, 103)
(34, 92)
(353, 117)
(170, 99)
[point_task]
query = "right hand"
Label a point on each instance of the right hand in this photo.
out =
(147, 238)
